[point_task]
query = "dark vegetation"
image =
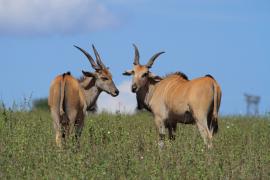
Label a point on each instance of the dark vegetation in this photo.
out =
(41, 104)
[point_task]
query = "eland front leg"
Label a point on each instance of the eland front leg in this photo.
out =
(172, 130)
(160, 125)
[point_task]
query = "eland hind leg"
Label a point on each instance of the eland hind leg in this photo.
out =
(201, 122)
(65, 127)
(79, 126)
(57, 127)
(72, 116)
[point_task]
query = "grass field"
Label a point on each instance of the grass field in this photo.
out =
(125, 147)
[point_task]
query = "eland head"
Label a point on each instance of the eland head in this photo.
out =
(141, 73)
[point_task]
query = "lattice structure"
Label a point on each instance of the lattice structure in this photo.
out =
(252, 104)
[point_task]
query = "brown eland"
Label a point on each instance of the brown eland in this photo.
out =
(69, 98)
(175, 99)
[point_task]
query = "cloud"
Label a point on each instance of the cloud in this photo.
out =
(22, 17)
(125, 102)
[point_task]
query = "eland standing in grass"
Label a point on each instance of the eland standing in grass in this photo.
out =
(69, 98)
(174, 99)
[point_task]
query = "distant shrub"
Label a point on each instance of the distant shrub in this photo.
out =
(41, 104)
(2, 105)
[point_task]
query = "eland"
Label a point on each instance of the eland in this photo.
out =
(176, 99)
(69, 98)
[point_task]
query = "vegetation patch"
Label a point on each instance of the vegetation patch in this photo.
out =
(125, 147)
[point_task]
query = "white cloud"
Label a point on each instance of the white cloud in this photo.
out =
(53, 16)
(125, 102)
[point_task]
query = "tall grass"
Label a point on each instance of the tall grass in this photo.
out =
(125, 147)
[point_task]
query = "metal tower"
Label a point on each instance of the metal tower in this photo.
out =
(252, 104)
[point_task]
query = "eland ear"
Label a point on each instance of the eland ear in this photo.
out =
(155, 77)
(128, 73)
(88, 74)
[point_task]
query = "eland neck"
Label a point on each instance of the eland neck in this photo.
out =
(145, 94)
(90, 91)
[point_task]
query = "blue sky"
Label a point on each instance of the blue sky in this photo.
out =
(229, 39)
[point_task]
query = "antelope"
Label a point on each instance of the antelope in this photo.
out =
(69, 98)
(175, 99)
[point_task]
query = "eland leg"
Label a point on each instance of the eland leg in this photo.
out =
(160, 125)
(57, 127)
(172, 130)
(72, 119)
(79, 127)
(201, 122)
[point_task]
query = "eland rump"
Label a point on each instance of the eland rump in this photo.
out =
(174, 99)
(69, 98)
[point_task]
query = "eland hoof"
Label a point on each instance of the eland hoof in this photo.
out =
(161, 144)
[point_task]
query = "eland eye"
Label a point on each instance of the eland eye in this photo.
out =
(104, 78)
(145, 74)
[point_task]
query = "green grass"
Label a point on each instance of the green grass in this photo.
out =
(125, 147)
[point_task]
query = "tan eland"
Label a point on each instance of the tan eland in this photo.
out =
(174, 99)
(69, 98)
